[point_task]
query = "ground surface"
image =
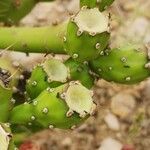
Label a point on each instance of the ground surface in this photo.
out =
(123, 115)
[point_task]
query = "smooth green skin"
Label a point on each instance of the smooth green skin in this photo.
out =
(134, 67)
(12, 11)
(33, 40)
(80, 72)
(21, 114)
(57, 107)
(40, 76)
(8, 130)
(102, 5)
(5, 97)
(85, 44)
(56, 115)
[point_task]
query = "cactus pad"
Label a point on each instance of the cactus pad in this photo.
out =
(87, 34)
(124, 65)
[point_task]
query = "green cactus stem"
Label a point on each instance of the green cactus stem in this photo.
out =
(125, 65)
(66, 111)
(81, 72)
(29, 40)
(5, 97)
(6, 138)
(8, 79)
(63, 107)
(21, 114)
(52, 73)
(12, 11)
(101, 4)
(87, 34)
(94, 34)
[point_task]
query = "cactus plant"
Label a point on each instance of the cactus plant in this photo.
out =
(59, 94)
(56, 107)
(52, 73)
(122, 65)
(12, 11)
(95, 33)
(53, 39)
(101, 4)
(8, 78)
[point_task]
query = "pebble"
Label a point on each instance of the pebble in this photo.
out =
(112, 122)
(67, 142)
(110, 144)
(123, 105)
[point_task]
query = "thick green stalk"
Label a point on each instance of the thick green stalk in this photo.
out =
(80, 39)
(126, 65)
(38, 39)
(5, 97)
(8, 78)
(12, 11)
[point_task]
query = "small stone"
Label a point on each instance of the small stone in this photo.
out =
(123, 104)
(110, 144)
(112, 122)
(67, 142)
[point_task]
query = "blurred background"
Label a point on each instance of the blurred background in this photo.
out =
(123, 114)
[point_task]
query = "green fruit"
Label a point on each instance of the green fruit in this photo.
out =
(63, 107)
(51, 73)
(101, 4)
(87, 34)
(125, 65)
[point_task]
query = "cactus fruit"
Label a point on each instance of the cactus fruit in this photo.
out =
(125, 65)
(12, 11)
(63, 107)
(101, 4)
(87, 34)
(51, 73)
(6, 139)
